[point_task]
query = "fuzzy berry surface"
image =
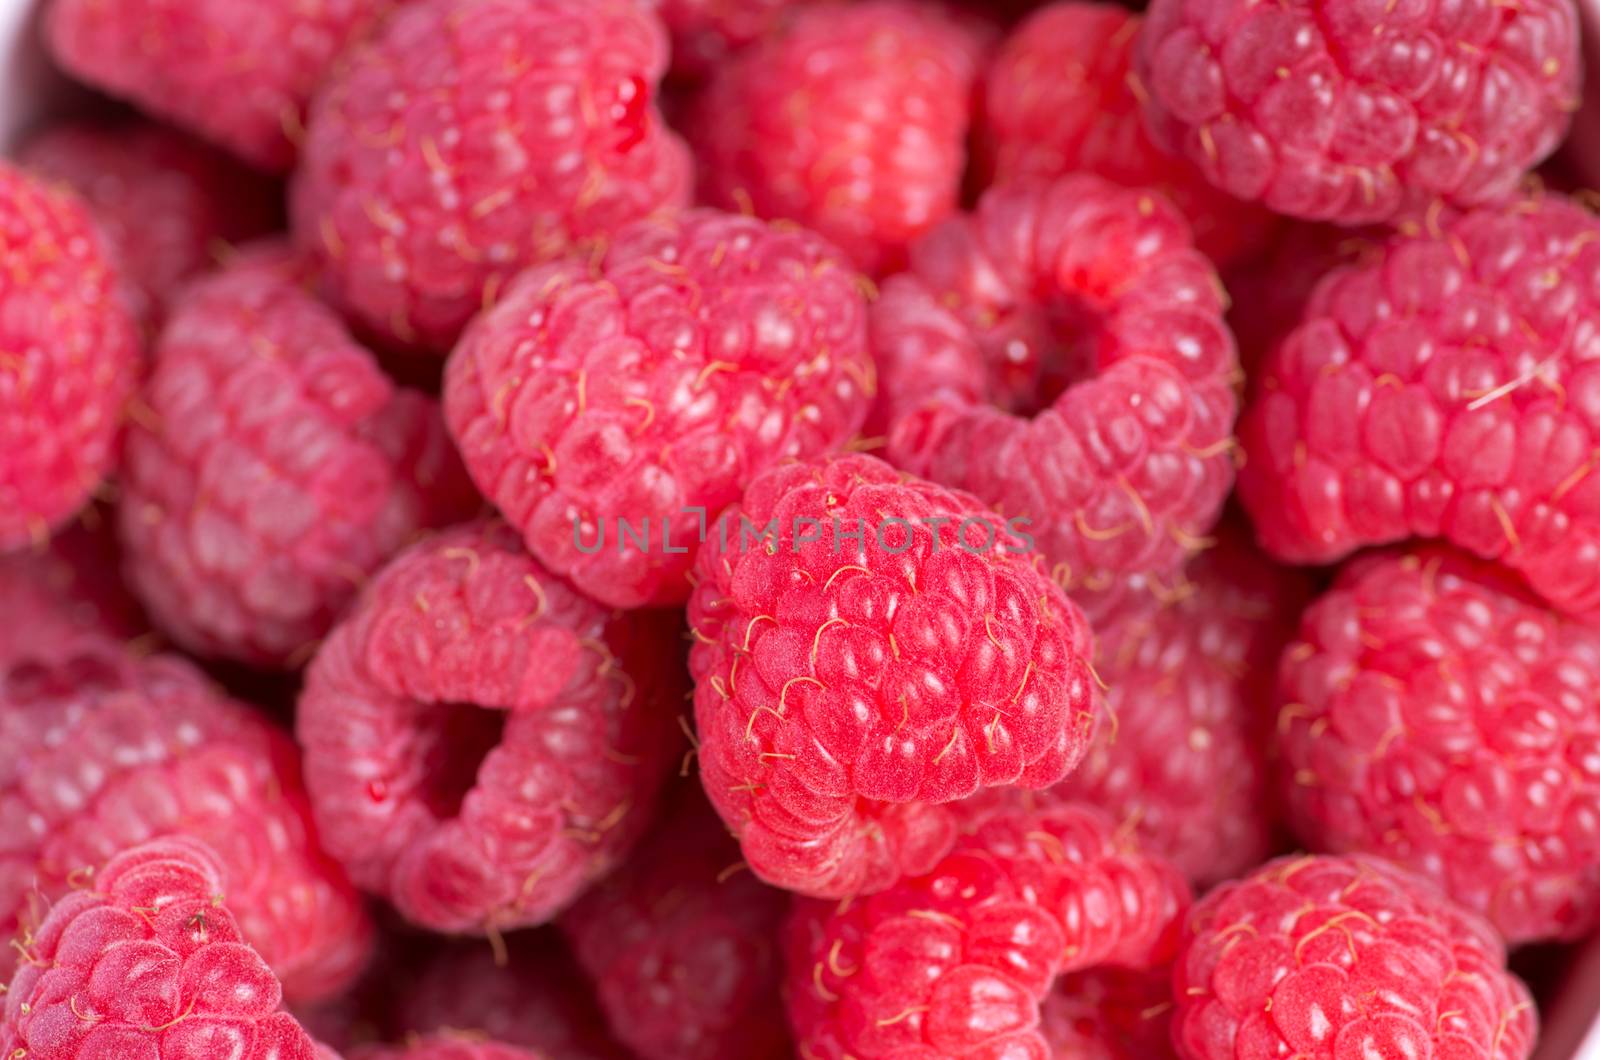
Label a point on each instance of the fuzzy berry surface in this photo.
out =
(1435, 715)
(69, 357)
(447, 1046)
(889, 647)
(706, 32)
(51, 595)
(1447, 387)
(1356, 113)
(470, 139)
(1057, 100)
(649, 387)
(109, 751)
(681, 944)
(1110, 1014)
(955, 963)
(481, 740)
(1343, 957)
(148, 963)
(273, 467)
(1062, 353)
(850, 119)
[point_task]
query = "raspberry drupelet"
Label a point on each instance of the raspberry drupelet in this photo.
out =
(482, 741)
(1357, 113)
(867, 648)
(1061, 353)
(1343, 957)
(469, 139)
(650, 386)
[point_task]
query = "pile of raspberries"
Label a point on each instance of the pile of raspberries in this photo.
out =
(797, 530)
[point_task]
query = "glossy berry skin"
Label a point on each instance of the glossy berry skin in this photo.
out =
(1443, 389)
(70, 361)
(705, 32)
(851, 120)
(1057, 99)
(955, 963)
(1110, 1014)
(274, 467)
(52, 595)
(108, 751)
(237, 72)
(447, 1046)
(651, 386)
(1346, 958)
(481, 741)
(853, 673)
(469, 139)
(1061, 353)
(1435, 715)
(147, 962)
(1338, 110)
(681, 944)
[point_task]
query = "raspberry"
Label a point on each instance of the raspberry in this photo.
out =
(1180, 754)
(698, 351)
(277, 466)
(51, 596)
(890, 646)
(681, 946)
(706, 32)
(68, 358)
(1057, 100)
(1442, 390)
(851, 120)
(446, 1047)
(481, 741)
(1343, 957)
(106, 751)
(1269, 294)
(148, 964)
(472, 138)
(1109, 1014)
(164, 201)
(1435, 715)
(955, 963)
(1061, 353)
(1354, 112)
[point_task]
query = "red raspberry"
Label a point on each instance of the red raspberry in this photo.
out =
(238, 72)
(889, 647)
(1061, 353)
(1343, 958)
(1443, 390)
(165, 202)
(698, 351)
(446, 1047)
(956, 963)
(1109, 1014)
(1057, 100)
(1355, 112)
(148, 964)
(71, 587)
(481, 741)
(706, 32)
(69, 354)
(1435, 715)
(275, 468)
(105, 751)
(472, 138)
(682, 945)
(851, 120)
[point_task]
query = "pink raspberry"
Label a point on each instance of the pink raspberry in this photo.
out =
(706, 32)
(1057, 100)
(1109, 1014)
(51, 596)
(851, 120)
(106, 751)
(472, 138)
(238, 72)
(446, 1047)
(681, 944)
(1442, 389)
(1353, 112)
(481, 741)
(869, 647)
(648, 387)
(274, 467)
(955, 963)
(1343, 958)
(69, 356)
(148, 963)
(165, 202)
(1061, 353)
(1435, 715)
